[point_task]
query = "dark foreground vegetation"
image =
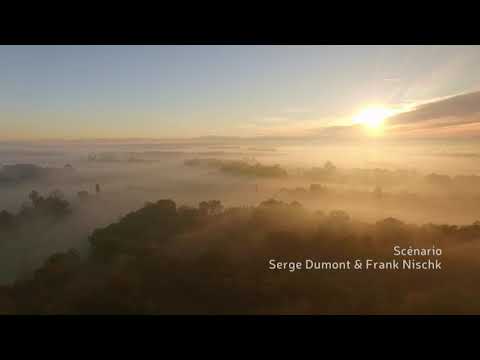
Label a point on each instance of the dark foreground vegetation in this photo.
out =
(209, 260)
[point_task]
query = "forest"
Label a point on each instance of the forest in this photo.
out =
(178, 179)
(209, 259)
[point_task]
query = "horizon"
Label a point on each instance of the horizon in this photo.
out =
(200, 179)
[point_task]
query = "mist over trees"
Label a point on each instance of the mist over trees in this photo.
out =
(18, 173)
(164, 259)
(106, 245)
(46, 209)
(240, 167)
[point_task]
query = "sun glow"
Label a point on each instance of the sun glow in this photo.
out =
(373, 117)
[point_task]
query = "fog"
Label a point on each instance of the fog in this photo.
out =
(371, 181)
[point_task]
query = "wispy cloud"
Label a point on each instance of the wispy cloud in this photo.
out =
(454, 116)
(457, 109)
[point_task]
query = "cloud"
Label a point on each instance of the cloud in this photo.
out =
(455, 110)
(454, 116)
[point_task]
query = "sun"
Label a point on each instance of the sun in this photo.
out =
(373, 117)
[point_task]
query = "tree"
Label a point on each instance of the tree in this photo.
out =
(35, 198)
(188, 211)
(271, 203)
(211, 207)
(54, 204)
(6, 220)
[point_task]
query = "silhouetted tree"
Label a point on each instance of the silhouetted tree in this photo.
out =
(6, 221)
(211, 207)
(35, 198)
(54, 204)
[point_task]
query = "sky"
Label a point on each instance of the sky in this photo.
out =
(81, 92)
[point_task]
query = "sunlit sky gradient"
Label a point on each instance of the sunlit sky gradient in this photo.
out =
(72, 92)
